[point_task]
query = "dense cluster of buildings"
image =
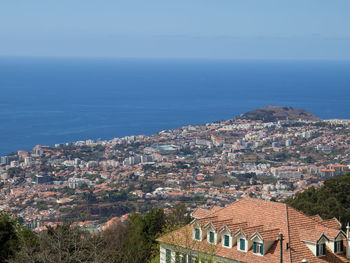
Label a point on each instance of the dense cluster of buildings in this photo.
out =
(212, 164)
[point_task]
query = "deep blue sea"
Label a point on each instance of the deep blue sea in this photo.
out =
(47, 101)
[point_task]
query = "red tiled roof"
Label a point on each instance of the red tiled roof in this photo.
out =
(270, 235)
(332, 223)
(201, 213)
(310, 235)
(269, 219)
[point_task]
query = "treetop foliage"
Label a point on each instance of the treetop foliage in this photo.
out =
(131, 241)
(329, 201)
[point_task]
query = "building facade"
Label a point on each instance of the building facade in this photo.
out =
(252, 230)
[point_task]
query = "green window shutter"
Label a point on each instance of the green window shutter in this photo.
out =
(211, 237)
(197, 234)
(227, 240)
(254, 247)
(341, 245)
(168, 256)
(262, 249)
(317, 250)
(183, 258)
(242, 244)
(324, 248)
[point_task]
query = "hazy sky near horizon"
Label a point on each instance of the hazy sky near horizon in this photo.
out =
(234, 29)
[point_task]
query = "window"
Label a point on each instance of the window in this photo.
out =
(211, 237)
(168, 256)
(197, 234)
(226, 240)
(338, 246)
(258, 248)
(242, 244)
(320, 249)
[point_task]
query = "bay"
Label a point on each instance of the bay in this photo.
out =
(54, 100)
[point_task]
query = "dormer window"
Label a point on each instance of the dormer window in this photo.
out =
(258, 248)
(242, 244)
(320, 249)
(168, 256)
(338, 246)
(226, 240)
(197, 234)
(211, 237)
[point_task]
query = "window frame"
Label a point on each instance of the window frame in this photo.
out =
(258, 248)
(338, 246)
(320, 247)
(167, 255)
(228, 240)
(197, 231)
(177, 257)
(211, 237)
(240, 244)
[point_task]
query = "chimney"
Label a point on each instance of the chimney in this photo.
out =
(347, 241)
(281, 248)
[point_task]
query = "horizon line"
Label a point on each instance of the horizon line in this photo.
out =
(170, 58)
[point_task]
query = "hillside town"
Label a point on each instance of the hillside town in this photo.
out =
(97, 183)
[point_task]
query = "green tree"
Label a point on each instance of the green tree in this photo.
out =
(330, 200)
(140, 243)
(8, 236)
(63, 244)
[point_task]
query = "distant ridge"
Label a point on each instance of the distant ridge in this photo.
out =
(277, 113)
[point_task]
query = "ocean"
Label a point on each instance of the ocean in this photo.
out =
(55, 100)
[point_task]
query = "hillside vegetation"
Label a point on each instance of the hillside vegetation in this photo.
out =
(277, 113)
(132, 241)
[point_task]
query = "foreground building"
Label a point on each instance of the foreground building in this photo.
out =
(252, 230)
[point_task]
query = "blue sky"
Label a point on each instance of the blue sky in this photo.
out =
(231, 29)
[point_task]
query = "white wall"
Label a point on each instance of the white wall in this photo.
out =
(194, 254)
(330, 243)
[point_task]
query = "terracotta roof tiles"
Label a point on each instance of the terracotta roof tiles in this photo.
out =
(269, 219)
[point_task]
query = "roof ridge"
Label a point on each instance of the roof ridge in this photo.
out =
(310, 217)
(222, 220)
(325, 220)
(252, 227)
(260, 200)
(288, 231)
(207, 217)
(240, 223)
(269, 230)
